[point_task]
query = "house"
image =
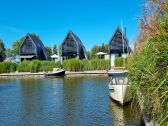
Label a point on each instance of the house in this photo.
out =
(33, 48)
(72, 47)
(118, 46)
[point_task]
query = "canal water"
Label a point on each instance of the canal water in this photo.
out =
(68, 101)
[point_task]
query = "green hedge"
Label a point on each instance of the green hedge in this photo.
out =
(37, 66)
(81, 65)
(6, 67)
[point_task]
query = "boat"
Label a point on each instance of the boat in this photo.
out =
(119, 87)
(55, 73)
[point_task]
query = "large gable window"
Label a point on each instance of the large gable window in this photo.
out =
(28, 47)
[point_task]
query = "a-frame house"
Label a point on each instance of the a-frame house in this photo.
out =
(118, 45)
(72, 47)
(33, 48)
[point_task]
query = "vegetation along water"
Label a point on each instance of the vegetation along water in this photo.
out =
(148, 65)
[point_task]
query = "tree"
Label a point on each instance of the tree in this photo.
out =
(95, 49)
(60, 49)
(2, 51)
(48, 50)
(16, 45)
(36, 35)
(51, 50)
(55, 49)
(8, 52)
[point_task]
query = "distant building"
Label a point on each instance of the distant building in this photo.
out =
(72, 47)
(118, 46)
(33, 48)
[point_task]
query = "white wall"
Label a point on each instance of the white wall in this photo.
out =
(113, 56)
(112, 60)
(124, 55)
(107, 57)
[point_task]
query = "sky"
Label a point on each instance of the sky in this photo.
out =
(93, 21)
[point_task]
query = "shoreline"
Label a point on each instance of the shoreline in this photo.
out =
(67, 73)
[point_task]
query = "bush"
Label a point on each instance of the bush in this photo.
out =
(6, 67)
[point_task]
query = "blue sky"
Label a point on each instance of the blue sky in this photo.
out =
(94, 21)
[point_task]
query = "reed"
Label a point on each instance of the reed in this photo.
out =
(82, 65)
(148, 66)
(119, 62)
(37, 66)
(6, 67)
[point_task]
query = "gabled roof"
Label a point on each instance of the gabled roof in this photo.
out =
(38, 43)
(77, 40)
(118, 29)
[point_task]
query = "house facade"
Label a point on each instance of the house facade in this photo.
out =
(118, 46)
(72, 47)
(33, 48)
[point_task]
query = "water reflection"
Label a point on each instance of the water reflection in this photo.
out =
(124, 116)
(69, 101)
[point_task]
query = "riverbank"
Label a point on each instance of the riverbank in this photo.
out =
(68, 73)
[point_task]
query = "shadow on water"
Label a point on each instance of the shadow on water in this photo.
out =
(69, 101)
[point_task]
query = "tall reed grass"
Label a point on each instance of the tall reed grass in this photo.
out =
(148, 66)
(119, 62)
(6, 67)
(82, 65)
(37, 66)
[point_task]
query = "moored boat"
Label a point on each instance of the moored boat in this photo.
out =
(119, 87)
(56, 73)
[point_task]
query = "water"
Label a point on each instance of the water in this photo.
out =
(69, 101)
